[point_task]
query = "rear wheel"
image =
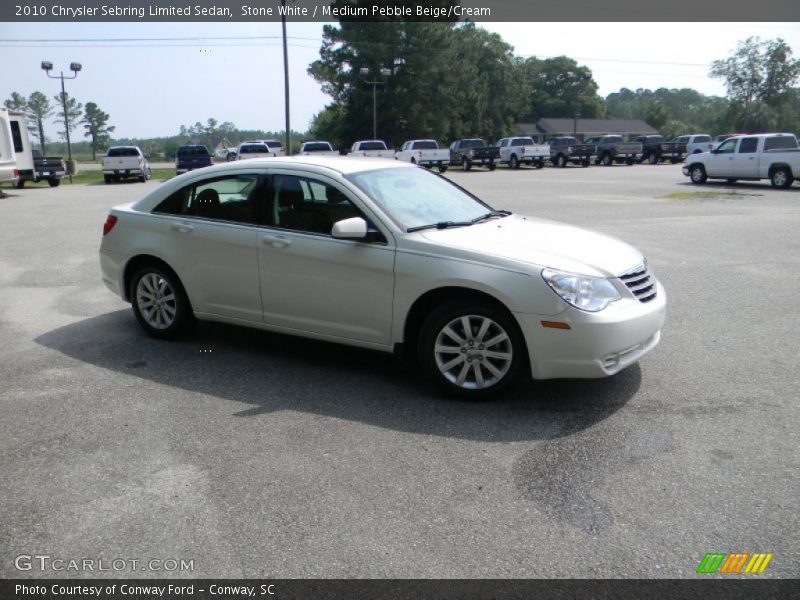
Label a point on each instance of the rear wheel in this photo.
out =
(781, 178)
(607, 160)
(513, 163)
(492, 166)
(160, 303)
(442, 168)
(561, 161)
(471, 349)
(698, 174)
(653, 158)
(465, 164)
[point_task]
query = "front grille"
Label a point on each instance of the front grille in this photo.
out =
(640, 282)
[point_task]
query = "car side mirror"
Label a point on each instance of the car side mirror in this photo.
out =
(354, 228)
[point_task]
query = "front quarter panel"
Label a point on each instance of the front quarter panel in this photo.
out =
(418, 272)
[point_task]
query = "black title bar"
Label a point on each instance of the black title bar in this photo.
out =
(374, 10)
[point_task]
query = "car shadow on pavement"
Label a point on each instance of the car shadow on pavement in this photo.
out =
(272, 372)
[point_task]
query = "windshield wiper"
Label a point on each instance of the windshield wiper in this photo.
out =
(440, 225)
(446, 224)
(489, 215)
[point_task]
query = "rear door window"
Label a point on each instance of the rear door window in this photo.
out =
(748, 145)
(16, 134)
(230, 198)
(783, 142)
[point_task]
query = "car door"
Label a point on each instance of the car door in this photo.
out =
(313, 282)
(210, 240)
(720, 162)
(745, 163)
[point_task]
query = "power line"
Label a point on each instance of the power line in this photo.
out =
(167, 39)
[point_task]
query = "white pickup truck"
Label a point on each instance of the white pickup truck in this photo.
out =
(516, 151)
(773, 156)
(371, 149)
(121, 162)
(317, 149)
(425, 153)
(248, 150)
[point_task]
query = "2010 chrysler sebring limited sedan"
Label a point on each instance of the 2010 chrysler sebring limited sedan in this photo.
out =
(383, 255)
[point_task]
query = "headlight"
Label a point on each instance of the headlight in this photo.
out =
(581, 291)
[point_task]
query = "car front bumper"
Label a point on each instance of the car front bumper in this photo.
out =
(685, 170)
(596, 344)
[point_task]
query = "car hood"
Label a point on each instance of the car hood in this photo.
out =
(539, 243)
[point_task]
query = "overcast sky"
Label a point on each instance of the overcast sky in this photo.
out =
(151, 88)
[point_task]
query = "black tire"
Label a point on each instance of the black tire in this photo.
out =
(492, 166)
(607, 159)
(781, 178)
(413, 160)
(513, 162)
(183, 319)
(466, 165)
(107, 178)
(585, 162)
(697, 174)
(54, 182)
(116, 178)
(561, 161)
(629, 161)
(652, 158)
(476, 310)
(442, 168)
(539, 164)
(674, 161)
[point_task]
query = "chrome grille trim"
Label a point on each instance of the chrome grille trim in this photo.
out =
(640, 282)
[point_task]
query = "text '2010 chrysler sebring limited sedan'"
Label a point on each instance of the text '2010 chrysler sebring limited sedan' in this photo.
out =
(385, 256)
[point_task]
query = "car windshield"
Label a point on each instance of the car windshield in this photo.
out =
(417, 198)
(472, 143)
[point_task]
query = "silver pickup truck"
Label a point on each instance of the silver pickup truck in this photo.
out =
(773, 156)
(612, 149)
(516, 151)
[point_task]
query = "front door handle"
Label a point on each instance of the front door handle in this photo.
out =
(182, 227)
(278, 241)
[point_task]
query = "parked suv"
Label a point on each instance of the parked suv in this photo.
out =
(190, 157)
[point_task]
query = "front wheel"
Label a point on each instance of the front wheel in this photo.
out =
(472, 350)
(561, 161)
(442, 168)
(539, 164)
(514, 162)
(607, 160)
(54, 182)
(160, 303)
(465, 164)
(698, 174)
(781, 178)
(653, 158)
(492, 166)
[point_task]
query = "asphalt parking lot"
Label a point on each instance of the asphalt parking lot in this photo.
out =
(261, 455)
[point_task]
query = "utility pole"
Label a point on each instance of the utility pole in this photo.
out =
(385, 73)
(75, 68)
(288, 141)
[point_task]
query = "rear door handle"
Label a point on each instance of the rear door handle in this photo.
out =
(182, 227)
(278, 241)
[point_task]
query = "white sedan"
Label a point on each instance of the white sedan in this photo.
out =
(388, 256)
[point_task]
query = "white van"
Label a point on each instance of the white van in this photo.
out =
(8, 158)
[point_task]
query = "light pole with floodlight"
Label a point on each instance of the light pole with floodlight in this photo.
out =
(385, 73)
(75, 68)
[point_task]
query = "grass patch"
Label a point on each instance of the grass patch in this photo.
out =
(96, 177)
(708, 194)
